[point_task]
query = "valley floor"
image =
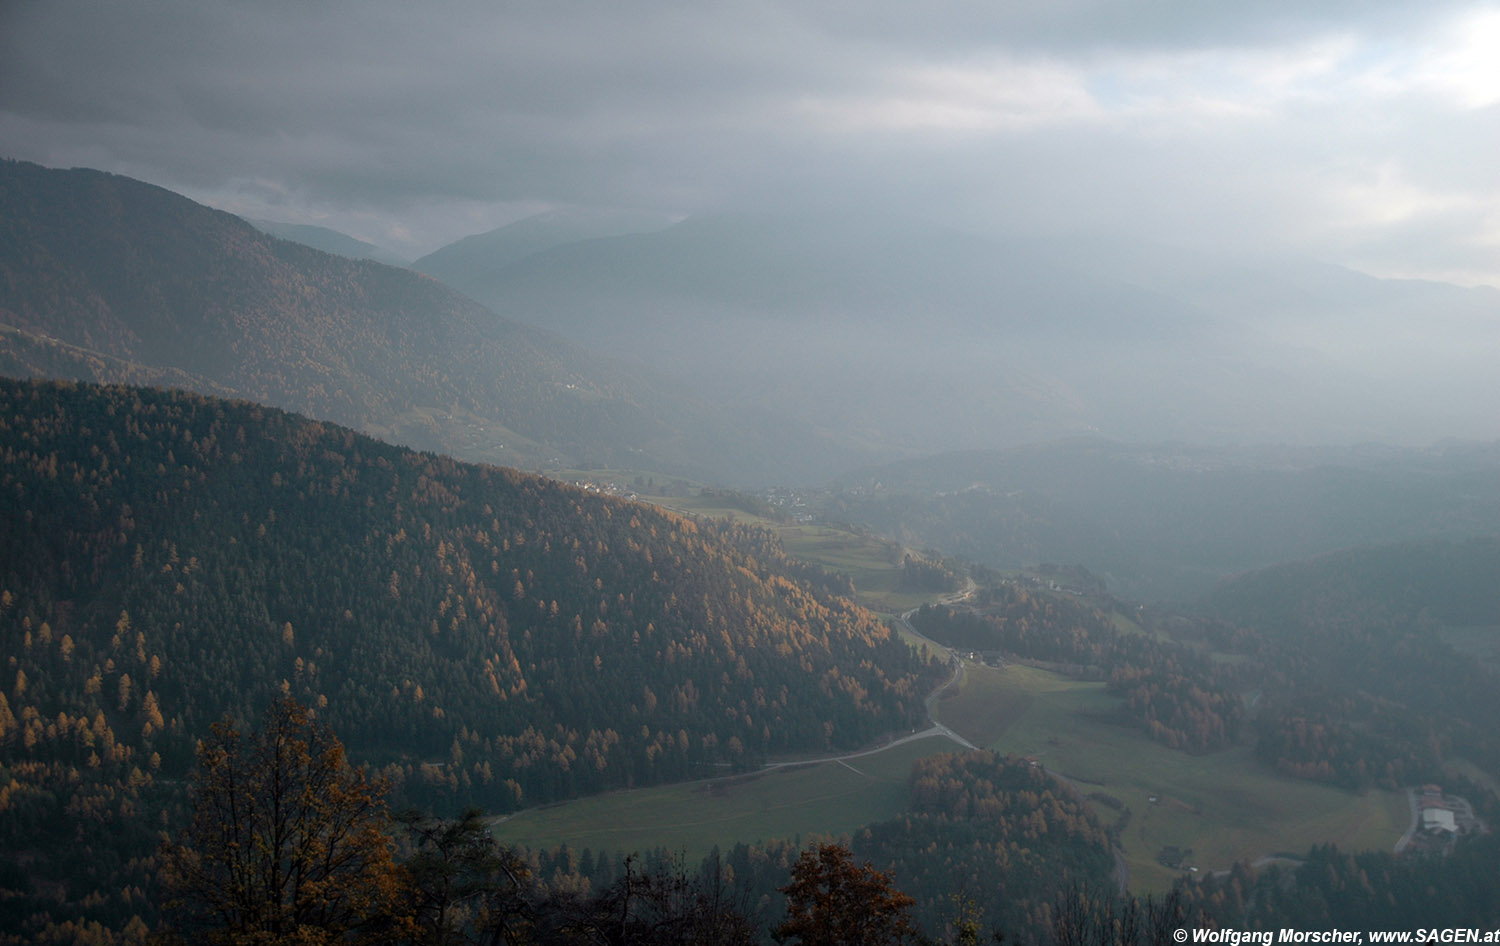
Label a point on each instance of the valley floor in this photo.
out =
(1196, 812)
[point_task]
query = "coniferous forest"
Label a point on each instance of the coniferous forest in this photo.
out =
(476, 635)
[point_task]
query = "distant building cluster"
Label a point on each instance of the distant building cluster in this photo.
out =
(794, 503)
(990, 658)
(607, 488)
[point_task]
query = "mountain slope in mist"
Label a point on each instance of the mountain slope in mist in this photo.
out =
(329, 241)
(1425, 584)
(932, 339)
(462, 262)
(1168, 520)
(104, 278)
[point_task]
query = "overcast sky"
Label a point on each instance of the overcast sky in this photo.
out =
(1365, 133)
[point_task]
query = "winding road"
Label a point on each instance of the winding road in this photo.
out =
(936, 729)
(952, 683)
(1122, 869)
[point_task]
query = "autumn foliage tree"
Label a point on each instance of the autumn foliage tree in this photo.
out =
(832, 901)
(287, 842)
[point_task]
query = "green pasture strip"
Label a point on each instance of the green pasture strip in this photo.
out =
(690, 818)
(1127, 625)
(915, 640)
(986, 705)
(864, 558)
(708, 509)
(1224, 806)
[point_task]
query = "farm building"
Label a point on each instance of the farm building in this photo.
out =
(1439, 821)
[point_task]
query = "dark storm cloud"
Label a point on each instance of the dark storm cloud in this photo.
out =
(373, 102)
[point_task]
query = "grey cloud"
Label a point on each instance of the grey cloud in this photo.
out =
(1070, 26)
(383, 116)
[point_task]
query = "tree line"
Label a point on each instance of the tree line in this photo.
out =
(289, 843)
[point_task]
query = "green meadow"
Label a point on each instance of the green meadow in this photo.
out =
(1224, 806)
(825, 798)
(873, 564)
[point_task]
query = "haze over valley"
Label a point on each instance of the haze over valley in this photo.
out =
(920, 338)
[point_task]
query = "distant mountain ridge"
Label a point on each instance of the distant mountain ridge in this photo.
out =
(103, 278)
(456, 263)
(329, 241)
(741, 349)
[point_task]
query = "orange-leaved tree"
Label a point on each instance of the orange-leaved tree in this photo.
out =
(288, 842)
(832, 901)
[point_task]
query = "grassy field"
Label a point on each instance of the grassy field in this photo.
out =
(985, 707)
(1224, 806)
(872, 563)
(823, 798)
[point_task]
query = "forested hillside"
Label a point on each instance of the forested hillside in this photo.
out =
(1369, 668)
(1454, 583)
(478, 634)
(1381, 658)
(552, 640)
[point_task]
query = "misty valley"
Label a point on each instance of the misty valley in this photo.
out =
(737, 578)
